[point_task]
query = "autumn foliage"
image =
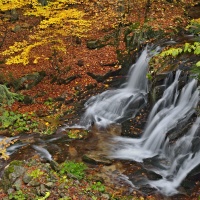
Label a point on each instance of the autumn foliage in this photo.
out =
(55, 19)
(51, 38)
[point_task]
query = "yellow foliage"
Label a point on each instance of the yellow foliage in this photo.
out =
(58, 20)
(25, 49)
(62, 18)
(13, 4)
(4, 144)
(16, 47)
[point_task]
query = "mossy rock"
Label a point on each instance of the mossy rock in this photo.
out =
(14, 170)
(95, 44)
(28, 81)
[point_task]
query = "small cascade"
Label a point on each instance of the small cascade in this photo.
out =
(114, 106)
(169, 117)
(171, 110)
(182, 160)
(167, 97)
(43, 152)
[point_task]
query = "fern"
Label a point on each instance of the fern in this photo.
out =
(7, 97)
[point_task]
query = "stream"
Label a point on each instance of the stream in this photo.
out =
(167, 150)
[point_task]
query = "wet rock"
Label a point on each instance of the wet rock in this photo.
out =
(34, 183)
(157, 93)
(80, 63)
(27, 178)
(18, 184)
(160, 78)
(10, 191)
(43, 189)
(54, 165)
(49, 185)
(18, 171)
(13, 171)
(96, 158)
(61, 81)
(112, 64)
(90, 86)
(179, 130)
(100, 78)
(94, 44)
(28, 81)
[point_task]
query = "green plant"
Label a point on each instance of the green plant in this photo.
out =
(149, 76)
(18, 195)
(7, 97)
(65, 198)
(36, 173)
(194, 26)
(48, 131)
(187, 48)
(98, 186)
(45, 197)
(77, 134)
(163, 60)
(48, 102)
(76, 170)
(16, 121)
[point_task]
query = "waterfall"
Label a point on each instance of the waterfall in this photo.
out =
(114, 106)
(172, 109)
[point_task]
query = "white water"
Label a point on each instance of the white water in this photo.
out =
(172, 109)
(182, 160)
(117, 105)
(43, 152)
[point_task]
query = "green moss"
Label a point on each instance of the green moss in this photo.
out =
(10, 169)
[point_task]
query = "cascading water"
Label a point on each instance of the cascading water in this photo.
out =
(117, 105)
(172, 109)
(181, 160)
